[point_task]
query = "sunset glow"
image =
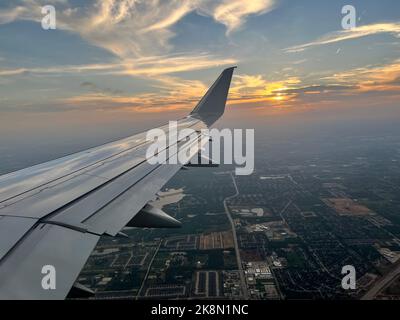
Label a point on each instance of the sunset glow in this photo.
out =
(136, 59)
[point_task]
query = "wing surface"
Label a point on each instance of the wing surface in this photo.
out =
(53, 214)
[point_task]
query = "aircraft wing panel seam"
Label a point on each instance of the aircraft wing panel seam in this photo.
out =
(87, 167)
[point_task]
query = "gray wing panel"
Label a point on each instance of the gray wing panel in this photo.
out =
(65, 249)
(113, 217)
(27, 193)
(79, 211)
(51, 197)
(111, 207)
(19, 182)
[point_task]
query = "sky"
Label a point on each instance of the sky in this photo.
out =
(112, 65)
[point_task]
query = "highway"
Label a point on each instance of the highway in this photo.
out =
(237, 252)
(148, 271)
(382, 283)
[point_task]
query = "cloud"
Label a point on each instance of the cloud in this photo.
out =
(60, 70)
(248, 81)
(184, 95)
(95, 88)
(252, 91)
(257, 85)
(372, 77)
(161, 65)
(395, 82)
(233, 13)
(173, 17)
(11, 14)
(319, 89)
(148, 67)
(172, 94)
(132, 28)
(138, 36)
(359, 32)
(136, 33)
(291, 92)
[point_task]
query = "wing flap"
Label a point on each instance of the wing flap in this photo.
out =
(12, 229)
(47, 245)
(125, 207)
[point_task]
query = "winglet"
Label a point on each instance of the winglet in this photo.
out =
(212, 106)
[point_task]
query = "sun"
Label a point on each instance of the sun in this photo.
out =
(279, 97)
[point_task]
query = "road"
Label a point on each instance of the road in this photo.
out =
(382, 283)
(237, 252)
(148, 271)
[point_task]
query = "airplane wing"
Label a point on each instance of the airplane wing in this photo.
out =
(53, 214)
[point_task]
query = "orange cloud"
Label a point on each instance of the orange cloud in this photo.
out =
(371, 78)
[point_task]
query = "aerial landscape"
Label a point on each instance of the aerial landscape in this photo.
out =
(297, 221)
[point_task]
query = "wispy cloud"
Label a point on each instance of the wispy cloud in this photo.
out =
(161, 65)
(60, 70)
(233, 13)
(11, 14)
(359, 32)
(290, 92)
(136, 33)
(173, 16)
(314, 89)
(93, 87)
(131, 28)
(381, 77)
(183, 96)
(256, 86)
(148, 67)
(254, 91)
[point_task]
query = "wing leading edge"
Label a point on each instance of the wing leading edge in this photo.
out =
(53, 214)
